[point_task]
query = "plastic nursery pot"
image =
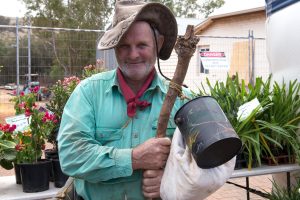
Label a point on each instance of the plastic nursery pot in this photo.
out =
(35, 176)
(17, 173)
(207, 132)
(59, 177)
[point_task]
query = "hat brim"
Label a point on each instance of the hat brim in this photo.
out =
(154, 13)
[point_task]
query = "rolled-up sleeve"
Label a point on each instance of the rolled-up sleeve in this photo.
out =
(81, 155)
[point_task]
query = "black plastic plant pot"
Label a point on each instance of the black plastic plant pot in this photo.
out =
(59, 177)
(207, 132)
(17, 173)
(35, 176)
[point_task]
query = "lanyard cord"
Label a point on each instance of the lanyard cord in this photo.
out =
(157, 54)
(158, 57)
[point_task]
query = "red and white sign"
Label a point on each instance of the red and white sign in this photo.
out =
(214, 60)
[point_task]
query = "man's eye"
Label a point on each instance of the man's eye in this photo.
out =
(143, 45)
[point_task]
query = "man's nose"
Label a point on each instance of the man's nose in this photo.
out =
(133, 53)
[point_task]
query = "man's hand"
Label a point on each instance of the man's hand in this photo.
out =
(151, 183)
(152, 154)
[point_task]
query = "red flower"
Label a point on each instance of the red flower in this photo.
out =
(12, 128)
(18, 147)
(27, 112)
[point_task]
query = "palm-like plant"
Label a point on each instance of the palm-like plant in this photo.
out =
(284, 117)
(272, 123)
(280, 193)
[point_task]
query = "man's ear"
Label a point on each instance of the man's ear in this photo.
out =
(160, 41)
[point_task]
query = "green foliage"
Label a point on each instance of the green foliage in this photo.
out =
(7, 145)
(83, 14)
(273, 124)
(61, 91)
(191, 8)
(56, 72)
(89, 70)
(4, 21)
(31, 142)
(209, 6)
(280, 193)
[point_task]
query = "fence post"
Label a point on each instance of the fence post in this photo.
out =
(29, 51)
(253, 57)
(250, 56)
(17, 56)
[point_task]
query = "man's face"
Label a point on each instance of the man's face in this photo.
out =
(136, 53)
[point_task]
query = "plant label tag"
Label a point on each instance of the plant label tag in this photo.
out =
(246, 109)
(21, 121)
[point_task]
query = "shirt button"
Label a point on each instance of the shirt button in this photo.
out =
(135, 135)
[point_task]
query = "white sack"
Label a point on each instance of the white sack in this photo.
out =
(184, 180)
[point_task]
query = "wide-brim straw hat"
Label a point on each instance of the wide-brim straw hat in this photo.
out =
(156, 14)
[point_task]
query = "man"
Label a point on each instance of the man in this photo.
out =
(107, 133)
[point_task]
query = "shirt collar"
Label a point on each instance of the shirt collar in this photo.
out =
(158, 82)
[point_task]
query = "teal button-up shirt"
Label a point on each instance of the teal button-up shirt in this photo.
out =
(96, 136)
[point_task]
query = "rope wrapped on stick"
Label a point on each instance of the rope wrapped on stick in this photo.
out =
(185, 47)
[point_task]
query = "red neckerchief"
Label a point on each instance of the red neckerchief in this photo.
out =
(133, 100)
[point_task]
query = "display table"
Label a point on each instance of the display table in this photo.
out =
(263, 170)
(9, 190)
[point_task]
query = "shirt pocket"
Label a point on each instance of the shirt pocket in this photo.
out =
(108, 136)
(170, 128)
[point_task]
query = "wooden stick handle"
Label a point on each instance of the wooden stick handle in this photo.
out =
(185, 47)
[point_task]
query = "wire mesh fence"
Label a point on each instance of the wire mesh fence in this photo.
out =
(45, 55)
(245, 56)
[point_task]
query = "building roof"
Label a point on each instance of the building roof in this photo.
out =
(231, 8)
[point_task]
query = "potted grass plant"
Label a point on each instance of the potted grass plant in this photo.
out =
(264, 127)
(283, 123)
(282, 193)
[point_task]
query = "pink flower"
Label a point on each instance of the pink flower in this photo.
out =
(22, 105)
(36, 89)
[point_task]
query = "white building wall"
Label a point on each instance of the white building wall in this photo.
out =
(233, 26)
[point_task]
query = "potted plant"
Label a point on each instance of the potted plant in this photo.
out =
(7, 145)
(282, 193)
(283, 123)
(61, 92)
(90, 70)
(273, 122)
(30, 143)
(233, 94)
